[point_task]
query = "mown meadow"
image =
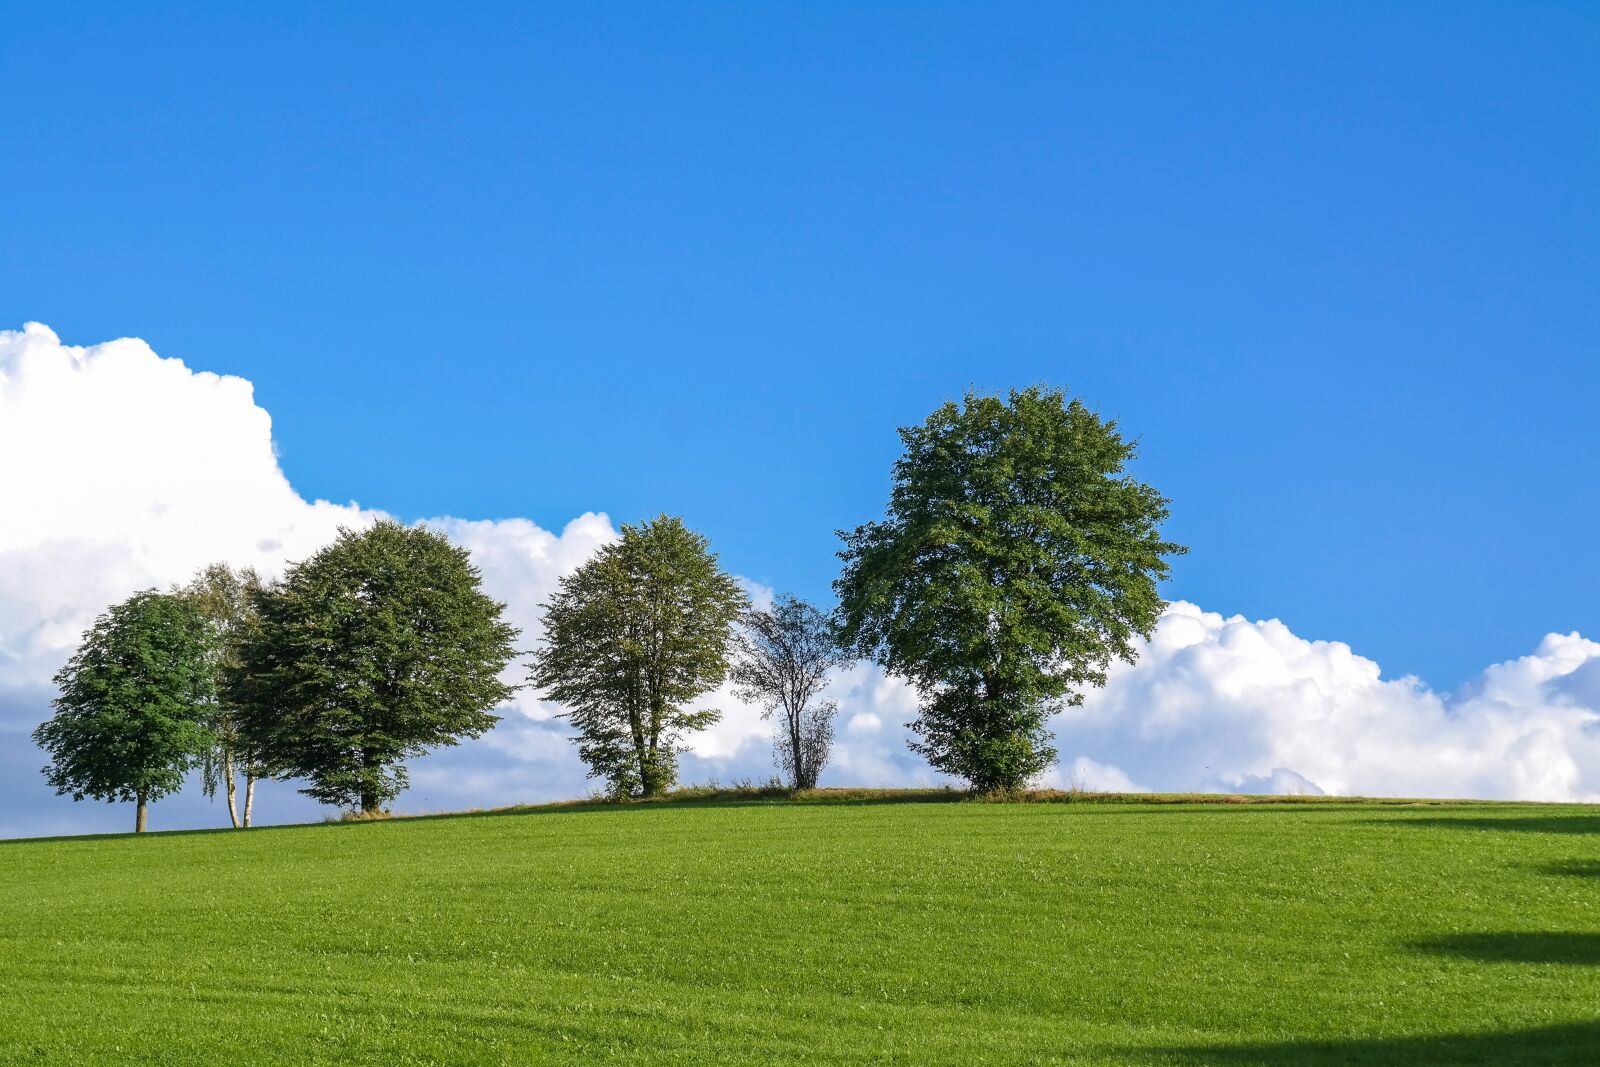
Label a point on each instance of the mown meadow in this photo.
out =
(850, 929)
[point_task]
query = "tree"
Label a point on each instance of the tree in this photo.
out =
(631, 637)
(785, 656)
(131, 716)
(1016, 560)
(378, 648)
(225, 599)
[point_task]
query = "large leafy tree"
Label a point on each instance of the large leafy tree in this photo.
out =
(1017, 559)
(785, 656)
(225, 598)
(632, 637)
(378, 648)
(134, 704)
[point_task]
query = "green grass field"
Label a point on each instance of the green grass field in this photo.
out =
(842, 932)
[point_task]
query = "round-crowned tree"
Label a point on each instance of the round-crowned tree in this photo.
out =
(1017, 559)
(134, 706)
(375, 650)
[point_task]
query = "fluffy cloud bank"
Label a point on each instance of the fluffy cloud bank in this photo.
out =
(123, 469)
(1229, 704)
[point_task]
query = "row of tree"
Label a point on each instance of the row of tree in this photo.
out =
(1016, 560)
(376, 649)
(383, 646)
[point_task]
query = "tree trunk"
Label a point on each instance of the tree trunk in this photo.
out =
(646, 779)
(796, 754)
(249, 796)
(227, 769)
(369, 785)
(139, 814)
(641, 749)
(649, 766)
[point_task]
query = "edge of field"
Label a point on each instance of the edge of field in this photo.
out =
(742, 795)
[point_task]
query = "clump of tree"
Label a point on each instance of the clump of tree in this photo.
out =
(135, 704)
(378, 648)
(631, 638)
(1016, 560)
(226, 599)
(785, 656)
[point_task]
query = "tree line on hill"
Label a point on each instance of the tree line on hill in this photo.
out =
(1017, 558)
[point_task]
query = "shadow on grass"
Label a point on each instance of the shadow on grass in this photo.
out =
(1549, 1046)
(1530, 824)
(1580, 949)
(1572, 869)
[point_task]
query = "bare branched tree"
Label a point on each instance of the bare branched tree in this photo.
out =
(784, 658)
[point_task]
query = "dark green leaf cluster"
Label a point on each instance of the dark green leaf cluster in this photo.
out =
(376, 649)
(1016, 561)
(133, 711)
(631, 637)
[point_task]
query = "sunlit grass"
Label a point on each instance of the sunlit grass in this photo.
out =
(839, 930)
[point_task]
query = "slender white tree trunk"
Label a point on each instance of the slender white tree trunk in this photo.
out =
(227, 770)
(249, 796)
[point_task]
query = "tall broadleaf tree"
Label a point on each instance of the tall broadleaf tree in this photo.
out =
(785, 654)
(134, 705)
(377, 649)
(631, 638)
(1017, 559)
(225, 598)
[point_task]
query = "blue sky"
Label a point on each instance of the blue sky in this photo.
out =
(1335, 265)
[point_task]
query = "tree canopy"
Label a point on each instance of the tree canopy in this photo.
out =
(1016, 560)
(631, 637)
(134, 704)
(376, 649)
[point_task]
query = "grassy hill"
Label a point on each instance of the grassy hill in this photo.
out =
(848, 930)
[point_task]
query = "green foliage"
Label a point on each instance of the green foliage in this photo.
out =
(842, 933)
(134, 703)
(225, 598)
(631, 637)
(785, 657)
(1017, 559)
(378, 648)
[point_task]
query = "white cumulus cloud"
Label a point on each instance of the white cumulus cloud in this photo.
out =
(1230, 704)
